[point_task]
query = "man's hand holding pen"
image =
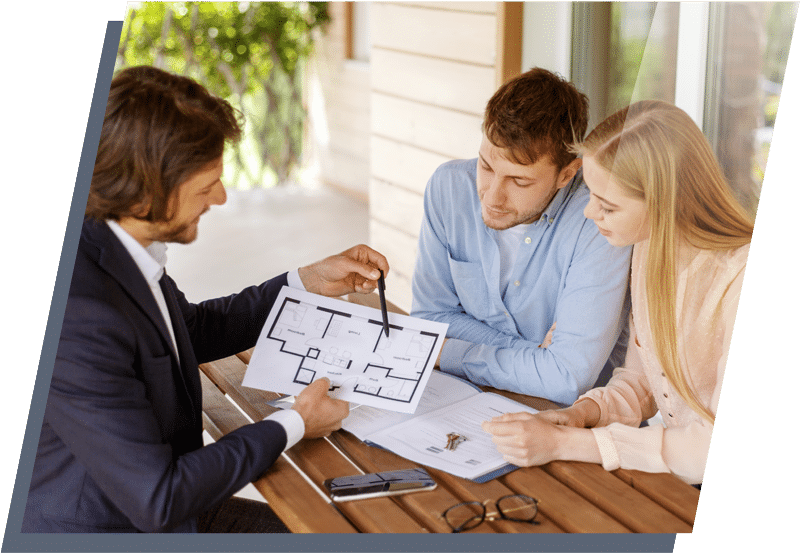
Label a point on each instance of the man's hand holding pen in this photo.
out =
(356, 270)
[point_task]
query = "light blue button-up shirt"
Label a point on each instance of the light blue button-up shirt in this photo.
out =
(565, 273)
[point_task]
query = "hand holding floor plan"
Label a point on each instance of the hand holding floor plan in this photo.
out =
(308, 336)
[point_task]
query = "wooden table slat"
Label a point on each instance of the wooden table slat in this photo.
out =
(317, 514)
(298, 504)
(569, 510)
(245, 356)
(227, 374)
(616, 498)
(667, 490)
(219, 416)
(320, 461)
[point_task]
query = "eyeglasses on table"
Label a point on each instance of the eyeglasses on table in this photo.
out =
(468, 515)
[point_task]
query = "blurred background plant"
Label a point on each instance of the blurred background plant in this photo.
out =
(252, 54)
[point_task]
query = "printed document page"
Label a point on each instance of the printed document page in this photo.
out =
(442, 389)
(425, 439)
(308, 336)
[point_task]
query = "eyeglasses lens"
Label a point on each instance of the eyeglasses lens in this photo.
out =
(465, 516)
(518, 507)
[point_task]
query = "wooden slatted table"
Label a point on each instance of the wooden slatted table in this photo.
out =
(573, 497)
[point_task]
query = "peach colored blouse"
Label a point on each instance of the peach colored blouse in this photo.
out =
(709, 284)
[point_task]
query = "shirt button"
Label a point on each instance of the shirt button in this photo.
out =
(670, 415)
(551, 220)
(665, 395)
(516, 283)
(506, 313)
(527, 240)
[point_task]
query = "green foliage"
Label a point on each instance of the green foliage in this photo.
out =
(638, 64)
(625, 62)
(249, 53)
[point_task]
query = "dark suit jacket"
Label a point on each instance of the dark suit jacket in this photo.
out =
(121, 446)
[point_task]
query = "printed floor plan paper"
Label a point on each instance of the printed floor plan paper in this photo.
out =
(308, 336)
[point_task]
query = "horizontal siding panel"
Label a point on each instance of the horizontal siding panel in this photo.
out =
(345, 171)
(444, 83)
(398, 291)
(354, 142)
(478, 7)
(400, 250)
(340, 117)
(449, 133)
(350, 76)
(468, 37)
(357, 121)
(402, 164)
(351, 98)
(395, 206)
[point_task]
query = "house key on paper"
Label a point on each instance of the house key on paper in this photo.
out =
(454, 440)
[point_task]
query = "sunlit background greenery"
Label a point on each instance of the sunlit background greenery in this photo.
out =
(252, 54)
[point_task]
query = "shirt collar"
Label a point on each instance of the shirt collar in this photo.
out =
(150, 260)
(561, 196)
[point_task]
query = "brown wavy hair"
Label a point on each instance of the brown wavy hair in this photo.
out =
(656, 153)
(159, 129)
(537, 114)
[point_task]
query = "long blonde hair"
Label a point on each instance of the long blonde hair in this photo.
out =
(655, 152)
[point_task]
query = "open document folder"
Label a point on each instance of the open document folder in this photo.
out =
(308, 336)
(450, 406)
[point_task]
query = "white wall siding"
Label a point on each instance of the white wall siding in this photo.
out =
(433, 70)
(384, 127)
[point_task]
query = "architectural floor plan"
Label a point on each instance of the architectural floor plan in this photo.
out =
(308, 336)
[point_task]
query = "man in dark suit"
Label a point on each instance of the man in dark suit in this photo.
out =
(121, 446)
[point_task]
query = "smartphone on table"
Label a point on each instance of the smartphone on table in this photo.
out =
(379, 484)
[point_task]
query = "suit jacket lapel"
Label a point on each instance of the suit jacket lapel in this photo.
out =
(115, 259)
(185, 350)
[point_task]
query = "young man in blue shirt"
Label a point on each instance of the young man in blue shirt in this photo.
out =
(535, 298)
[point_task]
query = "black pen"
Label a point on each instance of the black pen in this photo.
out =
(382, 294)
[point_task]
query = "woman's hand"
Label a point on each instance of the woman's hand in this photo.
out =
(526, 439)
(583, 414)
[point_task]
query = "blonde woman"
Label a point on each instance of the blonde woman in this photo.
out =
(655, 184)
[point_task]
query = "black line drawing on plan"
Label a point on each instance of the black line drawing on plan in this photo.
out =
(351, 350)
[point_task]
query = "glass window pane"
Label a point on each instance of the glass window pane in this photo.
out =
(624, 52)
(750, 51)
(644, 47)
